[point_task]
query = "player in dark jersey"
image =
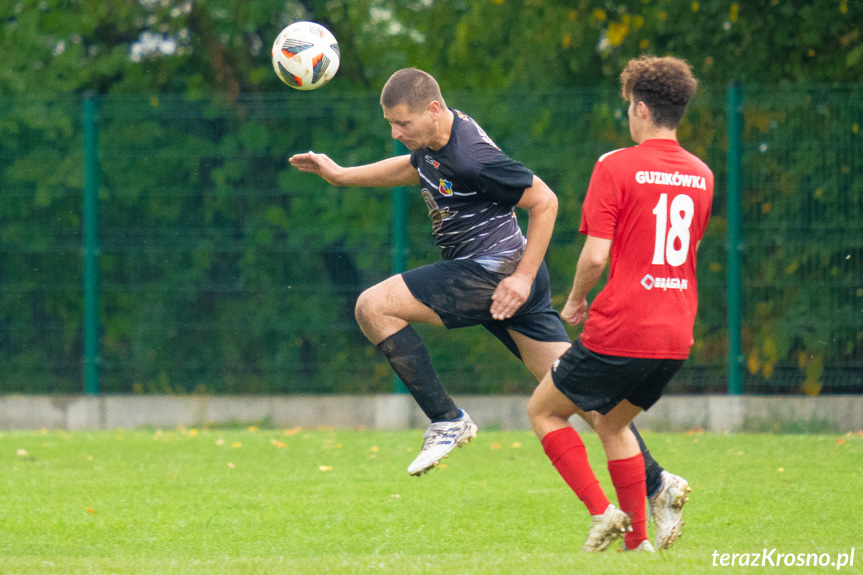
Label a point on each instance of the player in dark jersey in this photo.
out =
(647, 208)
(491, 275)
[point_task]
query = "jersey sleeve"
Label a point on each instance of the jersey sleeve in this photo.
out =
(503, 180)
(601, 205)
(415, 161)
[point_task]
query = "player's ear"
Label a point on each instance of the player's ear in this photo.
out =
(642, 110)
(434, 108)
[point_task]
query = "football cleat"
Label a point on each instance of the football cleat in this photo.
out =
(441, 438)
(605, 529)
(666, 509)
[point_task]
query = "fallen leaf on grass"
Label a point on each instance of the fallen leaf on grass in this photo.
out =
(495, 446)
(91, 510)
(21, 452)
(325, 468)
(231, 465)
(293, 430)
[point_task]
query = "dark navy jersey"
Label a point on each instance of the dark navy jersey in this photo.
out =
(471, 187)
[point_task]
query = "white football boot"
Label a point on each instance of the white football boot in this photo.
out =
(666, 508)
(605, 529)
(441, 438)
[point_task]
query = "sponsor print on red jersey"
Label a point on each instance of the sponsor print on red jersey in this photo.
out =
(653, 202)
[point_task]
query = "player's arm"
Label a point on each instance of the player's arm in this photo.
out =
(541, 205)
(591, 263)
(395, 171)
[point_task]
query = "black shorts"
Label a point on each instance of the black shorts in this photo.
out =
(598, 382)
(460, 291)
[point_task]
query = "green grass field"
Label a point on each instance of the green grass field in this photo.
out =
(246, 501)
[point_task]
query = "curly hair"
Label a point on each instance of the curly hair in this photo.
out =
(665, 84)
(411, 86)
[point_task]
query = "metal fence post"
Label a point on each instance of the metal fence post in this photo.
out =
(735, 238)
(90, 249)
(400, 238)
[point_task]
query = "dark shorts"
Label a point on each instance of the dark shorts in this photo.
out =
(460, 291)
(598, 382)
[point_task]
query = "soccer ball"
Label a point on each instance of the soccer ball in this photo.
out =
(306, 55)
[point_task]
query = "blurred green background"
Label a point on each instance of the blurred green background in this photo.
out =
(223, 270)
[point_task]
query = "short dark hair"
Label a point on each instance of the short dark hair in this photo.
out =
(665, 84)
(412, 87)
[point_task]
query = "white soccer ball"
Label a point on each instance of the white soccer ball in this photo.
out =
(306, 55)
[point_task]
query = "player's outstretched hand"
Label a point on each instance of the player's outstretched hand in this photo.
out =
(320, 164)
(573, 312)
(509, 296)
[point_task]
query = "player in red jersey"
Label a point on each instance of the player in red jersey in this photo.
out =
(646, 210)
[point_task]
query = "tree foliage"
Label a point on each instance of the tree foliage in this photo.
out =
(222, 46)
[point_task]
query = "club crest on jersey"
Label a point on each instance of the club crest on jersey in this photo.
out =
(445, 188)
(434, 164)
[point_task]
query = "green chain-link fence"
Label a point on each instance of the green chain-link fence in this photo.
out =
(220, 269)
(803, 236)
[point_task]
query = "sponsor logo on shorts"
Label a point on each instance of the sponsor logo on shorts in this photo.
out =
(649, 282)
(555, 364)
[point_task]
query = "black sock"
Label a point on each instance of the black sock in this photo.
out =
(651, 468)
(410, 359)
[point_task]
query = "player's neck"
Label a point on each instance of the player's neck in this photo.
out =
(658, 134)
(443, 129)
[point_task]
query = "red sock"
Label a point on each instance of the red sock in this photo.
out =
(569, 456)
(628, 478)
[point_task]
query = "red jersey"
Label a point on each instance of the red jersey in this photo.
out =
(653, 202)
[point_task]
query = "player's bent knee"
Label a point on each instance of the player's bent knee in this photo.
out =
(536, 413)
(364, 310)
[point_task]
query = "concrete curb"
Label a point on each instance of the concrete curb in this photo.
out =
(715, 413)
